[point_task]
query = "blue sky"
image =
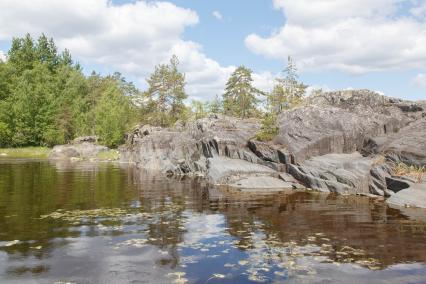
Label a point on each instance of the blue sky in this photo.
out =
(337, 44)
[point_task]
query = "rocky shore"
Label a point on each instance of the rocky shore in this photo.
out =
(344, 142)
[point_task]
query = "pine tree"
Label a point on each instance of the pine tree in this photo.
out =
(240, 98)
(166, 93)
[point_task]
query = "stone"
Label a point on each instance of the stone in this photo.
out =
(340, 122)
(85, 139)
(414, 196)
(79, 151)
(261, 184)
(330, 143)
(221, 169)
(339, 173)
(408, 145)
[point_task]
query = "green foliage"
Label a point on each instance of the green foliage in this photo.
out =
(110, 155)
(288, 92)
(45, 99)
(111, 116)
(165, 95)
(27, 152)
(269, 128)
(240, 98)
(215, 105)
(199, 109)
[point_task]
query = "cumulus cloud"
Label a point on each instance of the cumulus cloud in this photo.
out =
(419, 80)
(217, 15)
(352, 36)
(130, 38)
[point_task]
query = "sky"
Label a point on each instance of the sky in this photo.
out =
(336, 44)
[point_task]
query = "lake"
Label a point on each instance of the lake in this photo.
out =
(106, 223)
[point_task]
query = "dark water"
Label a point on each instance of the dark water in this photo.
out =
(103, 223)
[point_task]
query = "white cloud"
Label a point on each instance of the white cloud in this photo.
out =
(352, 36)
(2, 56)
(419, 10)
(130, 38)
(217, 15)
(419, 80)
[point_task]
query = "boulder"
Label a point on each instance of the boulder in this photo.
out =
(408, 145)
(85, 139)
(414, 196)
(83, 151)
(339, 173)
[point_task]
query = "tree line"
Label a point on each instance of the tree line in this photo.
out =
(45, 98)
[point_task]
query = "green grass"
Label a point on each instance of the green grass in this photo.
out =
(26, 152)
(110, 155)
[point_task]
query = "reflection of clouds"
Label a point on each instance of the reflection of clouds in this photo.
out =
(200, 227)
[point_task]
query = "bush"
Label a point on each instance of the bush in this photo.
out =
(269, 128)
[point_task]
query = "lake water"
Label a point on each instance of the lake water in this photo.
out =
(104, 223)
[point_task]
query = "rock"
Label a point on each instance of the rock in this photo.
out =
(340, 173)
(222, 169)
(85, 139)
(414, 196)
(340, 122)
(261, 184)
(408, 145)
(184, 149)
(378, 184)
(77, 151)
(319, 143)
(397, 184)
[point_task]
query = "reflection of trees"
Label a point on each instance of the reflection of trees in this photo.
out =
(31, 189)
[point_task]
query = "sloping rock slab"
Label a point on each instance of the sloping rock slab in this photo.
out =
(341, 122)
(414, 196)
(261, 184)
(409, 144)
(221, 169)
(340, 173)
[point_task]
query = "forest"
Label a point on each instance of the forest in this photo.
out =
(46, 99)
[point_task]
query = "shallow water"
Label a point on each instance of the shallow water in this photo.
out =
(103, 223)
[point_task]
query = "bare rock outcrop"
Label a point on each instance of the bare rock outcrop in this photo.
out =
(330, 144)
(82, 148)
(341, 122)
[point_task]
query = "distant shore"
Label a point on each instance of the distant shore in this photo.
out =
(25, 152)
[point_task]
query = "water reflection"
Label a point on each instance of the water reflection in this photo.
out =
(104, 223)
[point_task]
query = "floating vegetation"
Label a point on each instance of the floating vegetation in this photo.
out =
(12, 243)
(179, 277)
(138, 243)
(78, 215)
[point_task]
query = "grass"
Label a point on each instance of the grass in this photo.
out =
(415, 172)
(26, 152)
(110, 155)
